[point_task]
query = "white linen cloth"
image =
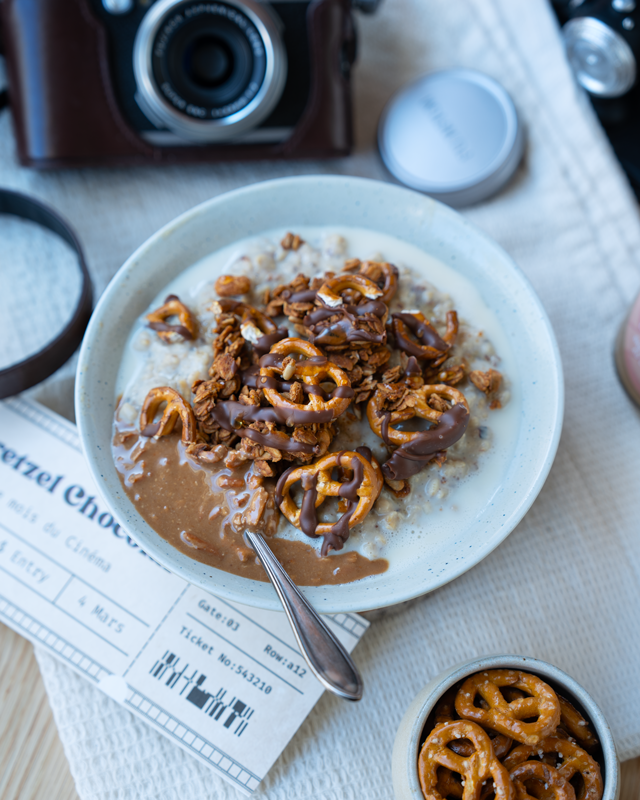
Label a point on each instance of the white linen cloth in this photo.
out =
(565, 585)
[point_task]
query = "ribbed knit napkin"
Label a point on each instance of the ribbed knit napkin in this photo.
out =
(565, 585)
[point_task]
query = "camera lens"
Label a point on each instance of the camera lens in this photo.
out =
(209, 63)
(208, 71)
(213, 59)
(601, 59)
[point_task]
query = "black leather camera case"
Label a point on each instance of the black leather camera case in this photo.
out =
(66, 111)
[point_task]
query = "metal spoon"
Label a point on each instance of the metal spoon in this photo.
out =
(326, 657)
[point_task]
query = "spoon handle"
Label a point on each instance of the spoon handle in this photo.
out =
(326, 657)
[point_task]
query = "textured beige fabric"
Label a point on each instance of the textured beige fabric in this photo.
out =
(565, 586)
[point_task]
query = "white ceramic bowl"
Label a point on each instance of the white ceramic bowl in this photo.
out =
(404, 761)
(350, 202)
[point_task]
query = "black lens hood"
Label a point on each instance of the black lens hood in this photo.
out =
(54, 354)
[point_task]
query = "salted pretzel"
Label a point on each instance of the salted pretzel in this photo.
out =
(311, 372)
(329, 292)
(173, 307)
(427, 344)
(574, 760)
(545, 782)
(482, 765)
(254, 324)
(505, 717)
(361, 492)
(575, 725)
(445, 712)
(294, 346)
(419, 408)
(377, 271)
(448, 785)
(175, 407)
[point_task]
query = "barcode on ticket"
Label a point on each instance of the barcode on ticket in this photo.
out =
(233, 712)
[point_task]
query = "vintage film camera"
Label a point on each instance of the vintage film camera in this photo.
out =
(602, 38)
(164, 81)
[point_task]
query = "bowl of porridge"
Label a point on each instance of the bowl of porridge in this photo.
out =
(346, 366)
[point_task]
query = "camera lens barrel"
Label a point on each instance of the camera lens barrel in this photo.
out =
(602, 60)
(208, 71)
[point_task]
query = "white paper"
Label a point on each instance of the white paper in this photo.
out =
(224, 681)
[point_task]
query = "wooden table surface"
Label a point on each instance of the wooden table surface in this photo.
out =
(32, 762)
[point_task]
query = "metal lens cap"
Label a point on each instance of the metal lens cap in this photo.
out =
(601, 59)
(454, 135)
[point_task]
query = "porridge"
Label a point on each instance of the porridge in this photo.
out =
(305, 386)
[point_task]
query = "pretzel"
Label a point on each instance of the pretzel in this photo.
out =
(448, 785)
(176, 407)
(445, 712)
(173, 307)
(507, 717)
(311, 373)
(329, 292)
(361, 492)
(449, 336)
(576, 725)
(429, 345)
(548, 782)
(229, 285)
(482, 765)
(298, 346)
(377, 271)
(382, 423)
(419, 448)
(574, 761)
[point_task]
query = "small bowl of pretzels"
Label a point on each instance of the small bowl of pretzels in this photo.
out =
(504, 728)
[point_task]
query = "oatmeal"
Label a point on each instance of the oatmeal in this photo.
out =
(329, 400)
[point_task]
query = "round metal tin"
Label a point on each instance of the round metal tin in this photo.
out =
(454, 135)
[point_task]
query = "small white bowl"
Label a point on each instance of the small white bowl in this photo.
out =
(404, 761)
(337, 202)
